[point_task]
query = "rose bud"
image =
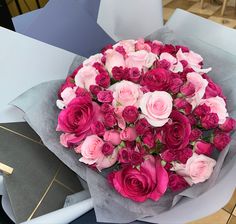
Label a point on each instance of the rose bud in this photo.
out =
(187, 89)
(98, 128)
(94, 89)
(107, 149)
(221, 140)
(202, 147)
(130, 114)
(112, 136)
(103, 80)
(129, 134)
(202, 110)
(177, 183)
(195, 134)
(118, 73)
(210, 121)
(141, 126)
(148, 139)
(105, 96)
(168, 155)
(123, 155)
(228, 125)
(109, 120)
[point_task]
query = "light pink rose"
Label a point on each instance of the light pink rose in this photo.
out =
(128, 45)
(112, 136)
(107, 161)
(197, 169)
(156, 107)
(93, 59)
(86, 77)
(113, 58)
(141, 45)
(67, 95)
(120, 120)
(126, 93)
(140, 59)
(218, 106)
(200, 85)
(91, 150)
(129, 134)
(67, 138)
(175, 65)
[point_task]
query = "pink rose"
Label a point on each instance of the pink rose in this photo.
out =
(120, 120)
(130, 114)
(112, 136)
(175, 65)
(128, 134)
(113, 58)
(229, 125)
(91, 150)
(123, 155)
(150, 181)
(141, 45)
(134, 75)
(157, 79)
(197, 169)
(86, 77)
(103, 80)
(202, 147)
(210, 121)
(93, 59)
(126, 93)
(177, 183)
(188, 89)
(218, 106)
(140, 59)
(67, 95)
(221, 140)
(128, 45)
(107, 161)
(98, 128)
(106, 108)
(156, 107)
(200, 85)
(78, 117)
(105, 96)
(68, 140)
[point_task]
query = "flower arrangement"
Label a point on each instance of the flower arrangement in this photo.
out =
(149, 112)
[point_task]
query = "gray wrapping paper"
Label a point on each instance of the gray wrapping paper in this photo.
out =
(41, 113)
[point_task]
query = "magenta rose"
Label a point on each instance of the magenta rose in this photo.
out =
(112, 136)
(118, 73)
(78, 117)
(202, 110)
(184, 154)
(123, 155)
(130, 114)
(107, 149)
(210, 121)
(148, 182)
(98, 128)
(128, 134)
(177, 183)
(141, 126)
(195, 134)
(103, 80)
(134, 75)
(188, 89)
(168, 155)
(110, 120)
(229, 125)
(135, 158)
(156, 79)
(94, 89)
(106, 108)
(175, 85)
(105, 96)
(221, 140)
(202, 147)
(183, 105)
(148, 139)
(176, 134)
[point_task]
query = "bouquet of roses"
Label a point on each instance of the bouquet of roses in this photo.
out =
(147, 111)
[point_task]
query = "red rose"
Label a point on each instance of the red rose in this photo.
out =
(202, 110)
(176, 134)
(105, 96)
(229, 125)
(99, 67)
(94, 89)
(130, 114)
(183, 105)
(192, 119)
(148, 139)
(98, 128)
(202, 147)
(109, 120)
(118, 73)
(103, 80)
(156, 79)
(148, 182)
(78, 117)
(195, 134)
(134, 75)
(210, 121)
(177, 183)
(162, 64)
(169, 48)
(183, 48)
(221, 140)
(141, 126)
(107, 149)
(175, 85)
